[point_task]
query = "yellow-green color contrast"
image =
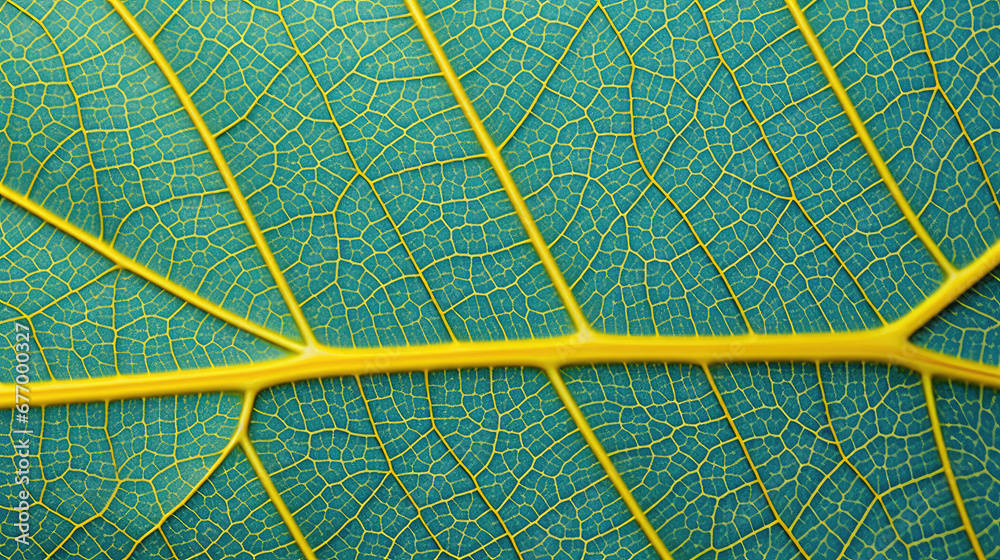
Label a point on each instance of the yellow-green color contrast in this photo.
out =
(499, 279)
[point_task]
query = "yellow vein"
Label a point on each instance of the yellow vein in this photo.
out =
(861, 346)
(129, 265)
(854, 534)
(402, 240)
(194, 489)
(753, 467)
(544, 85)
(948, 472)
(499, 167)
(77, 291)
(887, 344)
(865, 138)
(41, 353)
(169, 18)
(241, 426)
(949, 291)
(256, 100)
(59, 547)
(107, 504)
(166, 541)
(223, 166)
(359, 510)
(272, 493)
(555, 378)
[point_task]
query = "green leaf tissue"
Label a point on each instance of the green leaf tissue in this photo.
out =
(499, 279)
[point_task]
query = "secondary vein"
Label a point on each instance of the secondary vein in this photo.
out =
(500, 168)
(272, 493)
(130, 265)
(865, 138)
(223, 166)
(556, 380)
(946, 463)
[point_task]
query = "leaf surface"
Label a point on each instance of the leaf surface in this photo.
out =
(503, 280)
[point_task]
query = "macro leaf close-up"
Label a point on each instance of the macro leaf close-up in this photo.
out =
(500, 279)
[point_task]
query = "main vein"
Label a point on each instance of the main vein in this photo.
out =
(866, 139)
(223, 166)
(586, 348)
(499, 167)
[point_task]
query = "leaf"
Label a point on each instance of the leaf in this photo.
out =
(501, 279)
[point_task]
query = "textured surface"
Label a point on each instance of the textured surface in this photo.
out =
(482, 279)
